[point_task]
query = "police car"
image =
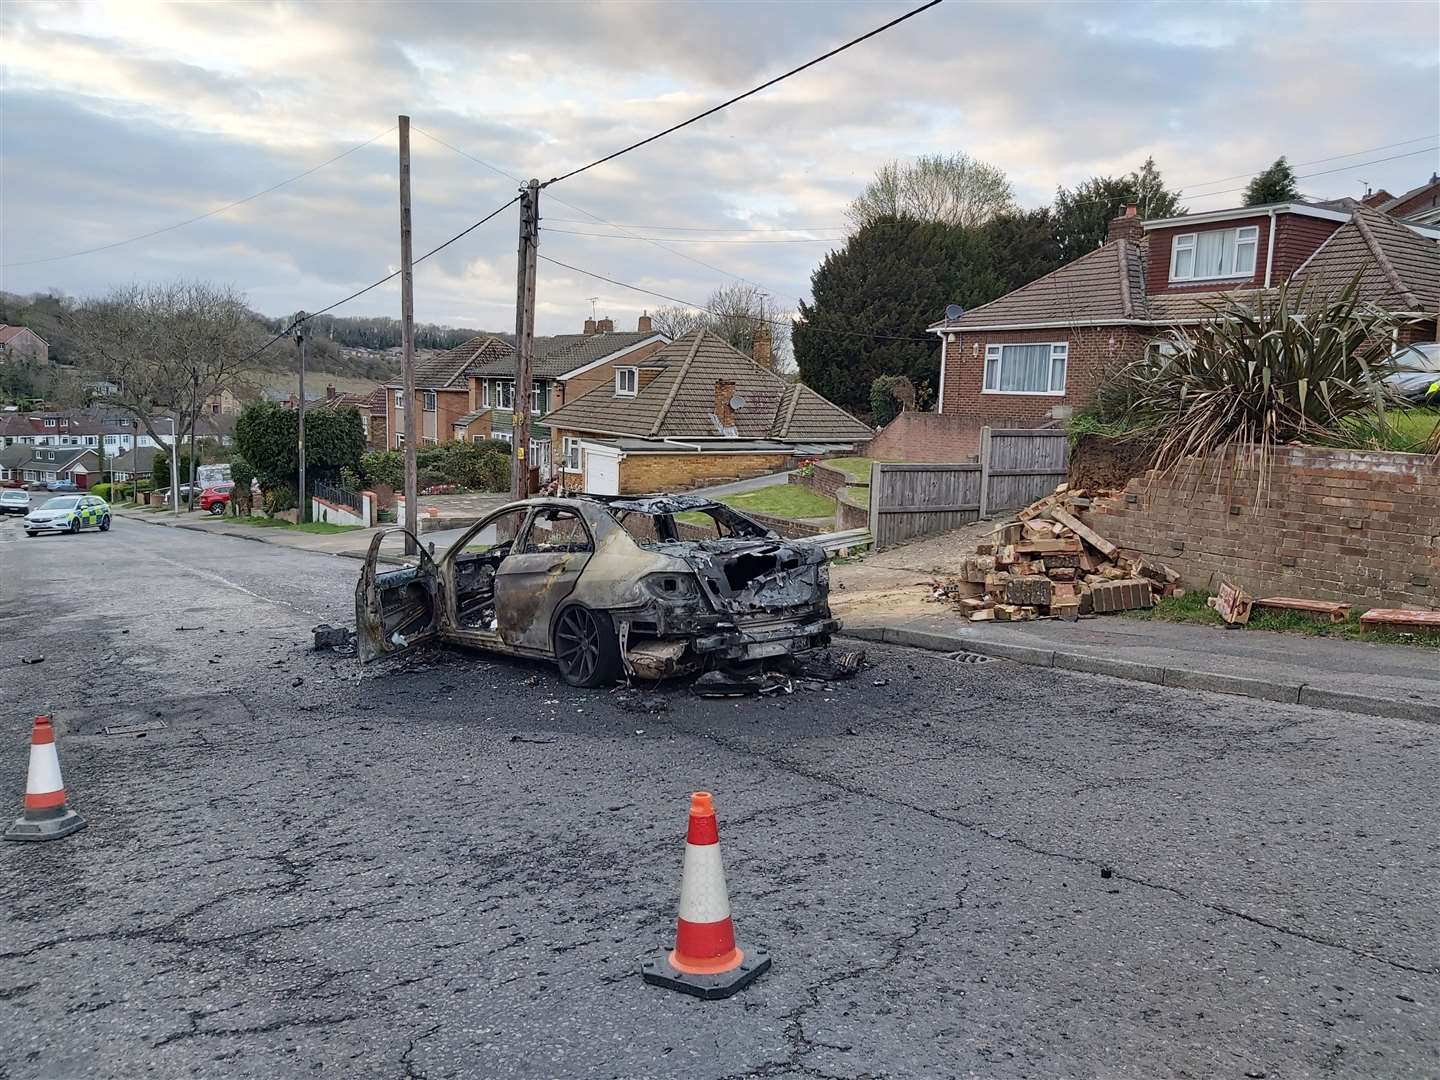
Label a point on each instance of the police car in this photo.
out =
(69, 513)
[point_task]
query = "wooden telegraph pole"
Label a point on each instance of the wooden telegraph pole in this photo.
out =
(524, 338)
(407, 338)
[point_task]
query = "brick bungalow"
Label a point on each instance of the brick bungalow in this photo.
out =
(694, 412)
(42, 464)
(1035, 355)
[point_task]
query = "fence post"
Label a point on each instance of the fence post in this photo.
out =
(984, 472)
(876, 471)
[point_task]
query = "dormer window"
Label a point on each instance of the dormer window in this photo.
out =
(627, 381)
(1219, 253)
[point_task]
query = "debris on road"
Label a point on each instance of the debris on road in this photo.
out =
(637, 701)
(32, 659)
(1049, 564)
(720, 682)
(1395, 618)
(1232, 604)
(1328, 610)
(829, 665)
(333, 637)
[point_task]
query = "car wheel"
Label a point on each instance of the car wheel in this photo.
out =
(74, 525)
(31, 533)
(105, 523)
(585, 647)
(217, 508)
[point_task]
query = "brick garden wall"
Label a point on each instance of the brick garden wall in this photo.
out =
(1352, 526)
(822, 480)
(921, 436)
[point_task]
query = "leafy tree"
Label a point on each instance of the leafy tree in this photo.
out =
(950, 190)
(740, 313)
(268, 437)
(1083, 213)
(874, 299)
(1023, 246)
(1275, 184)
(890, 395)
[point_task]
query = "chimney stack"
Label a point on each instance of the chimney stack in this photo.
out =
(605, 326)
(724, 414)
(643, 325)
(589, 327)
(1127, 226)
(760, 349)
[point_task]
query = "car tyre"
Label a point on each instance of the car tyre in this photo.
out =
(32, 533)
(217, 508)
(74, 525)
(105, 523)
(586, 649)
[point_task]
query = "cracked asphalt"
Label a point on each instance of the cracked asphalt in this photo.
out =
(450, 867)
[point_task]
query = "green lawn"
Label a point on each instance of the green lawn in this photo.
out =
(1415, 425)
(783, 500)
(323, 528)
(856, 468)
(1191, 608)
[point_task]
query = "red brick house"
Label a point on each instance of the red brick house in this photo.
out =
(1035, 355)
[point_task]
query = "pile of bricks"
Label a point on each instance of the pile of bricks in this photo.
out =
(1048, 564)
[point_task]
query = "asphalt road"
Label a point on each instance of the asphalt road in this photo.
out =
(449, 868)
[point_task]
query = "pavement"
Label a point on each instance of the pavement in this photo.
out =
(451, 864)
(885, 597)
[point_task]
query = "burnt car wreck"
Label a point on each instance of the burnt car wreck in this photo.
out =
(606, 587)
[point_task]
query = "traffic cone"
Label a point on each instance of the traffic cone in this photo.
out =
(46, 816)
(706, 960)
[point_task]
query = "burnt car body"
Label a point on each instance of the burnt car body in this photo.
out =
(650, 586)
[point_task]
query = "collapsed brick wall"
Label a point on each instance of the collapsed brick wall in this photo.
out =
(1357, 527)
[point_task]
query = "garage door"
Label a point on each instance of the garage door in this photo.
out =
(602, 473)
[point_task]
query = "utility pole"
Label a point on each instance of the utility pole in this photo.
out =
(194, 423)
(175, 461)
(524, 338)
(407, 341)
(301, 502)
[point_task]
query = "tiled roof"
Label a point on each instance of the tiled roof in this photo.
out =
(471, 416)
(1398, 200)
(679, 402)
(138, 460)
(443, 370)
(12, 457)
(1399, 269)
(8, 332)
(1107, 284)
(560, 354)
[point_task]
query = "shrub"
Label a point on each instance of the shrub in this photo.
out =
(278, 498)
(242, 473)
(383, 467)
(889, 396)
(1287, 367)
(101, 491)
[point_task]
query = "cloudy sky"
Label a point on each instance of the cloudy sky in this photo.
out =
(119, 119)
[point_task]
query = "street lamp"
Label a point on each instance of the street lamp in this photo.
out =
(299, 327)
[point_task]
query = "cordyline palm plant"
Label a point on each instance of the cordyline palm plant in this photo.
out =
(1286, 366)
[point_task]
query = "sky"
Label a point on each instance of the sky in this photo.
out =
(120, 119)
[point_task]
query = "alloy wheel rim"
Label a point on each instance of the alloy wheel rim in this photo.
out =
(578, 641)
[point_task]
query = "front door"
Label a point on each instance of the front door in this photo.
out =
(538, 575)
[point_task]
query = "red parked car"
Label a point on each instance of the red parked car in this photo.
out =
(216, 498)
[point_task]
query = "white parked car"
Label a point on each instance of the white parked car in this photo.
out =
(14, 501)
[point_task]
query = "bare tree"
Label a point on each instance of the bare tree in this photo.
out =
(740, 313)
(953, 190)
(167, 348)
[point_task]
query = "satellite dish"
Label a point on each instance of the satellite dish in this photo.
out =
(953, 311)
(737, 402)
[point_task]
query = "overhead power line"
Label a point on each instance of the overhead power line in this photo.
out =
(207, 214)
(741, 97)
(388, 277)
(1312, 161)
(596, 218)
(718, 228)
(699, 239)
(720, 315)
(1327, 172)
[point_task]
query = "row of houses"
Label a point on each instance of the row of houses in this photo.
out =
(39, 446)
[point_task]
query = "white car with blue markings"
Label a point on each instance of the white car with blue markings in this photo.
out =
(69, 513)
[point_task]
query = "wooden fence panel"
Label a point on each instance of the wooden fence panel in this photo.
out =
(1022, 465)
(907, 501)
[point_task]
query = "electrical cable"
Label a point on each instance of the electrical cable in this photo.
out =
(699, 240)
(208, 214)
(741, 97)
(1325, 172)
(1312, 161)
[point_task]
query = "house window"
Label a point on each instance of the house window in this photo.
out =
(504, 395)
(49, 423)
(399, 399)
(504, 436)
(535, 395)
(1026, 369)
(399, 440)
(627, 381)
(427, 440)
(429, 400)
(1220, 253)
(485, 393)
(571, 460)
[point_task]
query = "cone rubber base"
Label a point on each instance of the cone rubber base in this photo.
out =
(45, 828)
(658, 971)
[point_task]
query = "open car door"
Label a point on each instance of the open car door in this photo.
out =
(395, 610)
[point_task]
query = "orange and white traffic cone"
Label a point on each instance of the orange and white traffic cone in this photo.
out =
(706, 960)
(46, 816)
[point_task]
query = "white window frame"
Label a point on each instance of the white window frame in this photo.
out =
(535, 392)
(1059, 354)
(627, 381)
(505, 395)
(505, 436)
(49, 423)
(399, 399)
(428, 402)
(1187, 243)
(399, 440)
(571, 459)
(485, 393)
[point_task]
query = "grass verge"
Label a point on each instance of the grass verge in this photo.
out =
(856, 468)
(790, 501)
(1191, 608)
(318, 528)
